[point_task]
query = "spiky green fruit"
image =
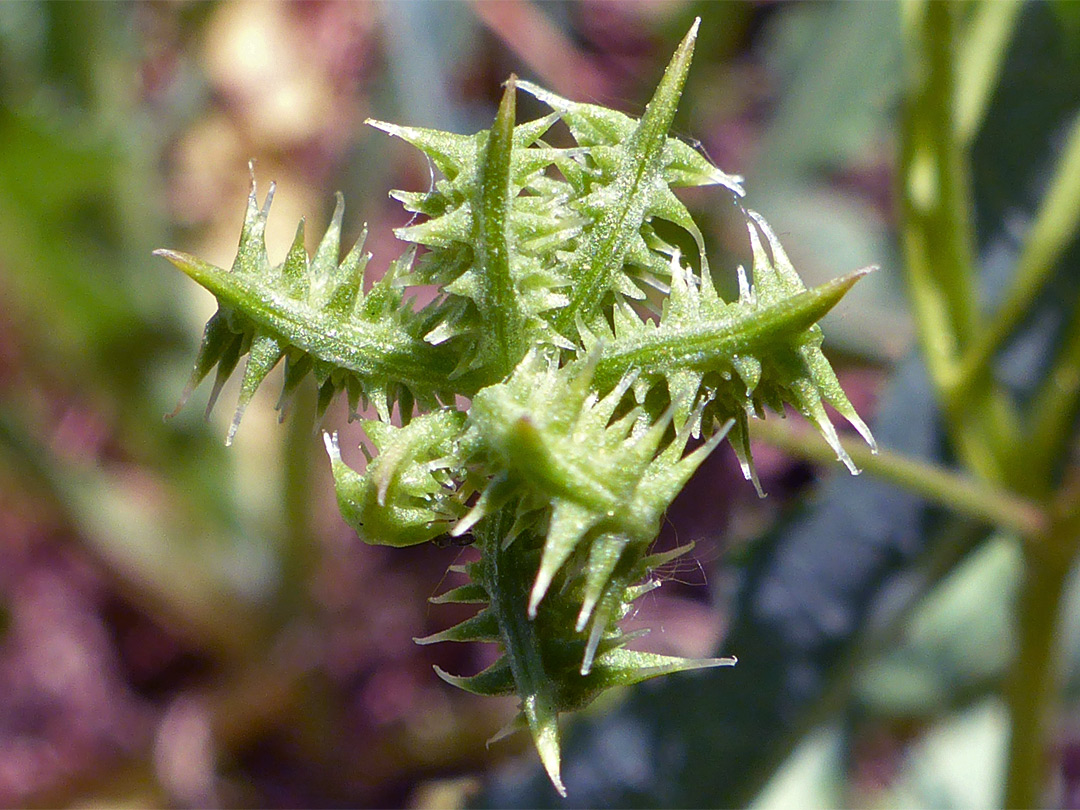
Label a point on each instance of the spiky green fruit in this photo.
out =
(537, 409)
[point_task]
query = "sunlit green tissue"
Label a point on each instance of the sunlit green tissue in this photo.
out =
(544, 400)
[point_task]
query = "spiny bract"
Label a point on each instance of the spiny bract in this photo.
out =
(583, 390)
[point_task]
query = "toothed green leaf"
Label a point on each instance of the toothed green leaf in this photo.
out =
(624, 203)
(498, 301)
(312, 308)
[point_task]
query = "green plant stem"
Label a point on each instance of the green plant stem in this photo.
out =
(297, 553)
(1049, 557)
(938, 233)
(1050, 547)
(935, 178)
(1034, 681)
(1032, 686)
(510, 583)
(941, 120)
(982, 53)
(968, 496)
(1052, 232)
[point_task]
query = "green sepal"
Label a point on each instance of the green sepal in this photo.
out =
(484, 626)
(264, 353)
(623, 667)
(596, 126)
(542, 658)
(495, 681)
(408, 494)
(762, 350)
(547, 434)
(468, 594)
(215, 341)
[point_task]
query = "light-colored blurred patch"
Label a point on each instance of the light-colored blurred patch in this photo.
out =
(678, 626)
(204, 162)
(810, 778)
(259, 61)
(184, 753)
(961, 636)
(959, 763)
(445, 794)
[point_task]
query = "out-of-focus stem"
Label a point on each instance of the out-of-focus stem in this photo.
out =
(982, 54)
(977, 499)
(1032, 682)
(938, 230)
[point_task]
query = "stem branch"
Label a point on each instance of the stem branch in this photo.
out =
(938, 232)
(1032, 686)
(976, 499)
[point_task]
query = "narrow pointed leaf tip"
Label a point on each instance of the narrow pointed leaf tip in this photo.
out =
(312, 313)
